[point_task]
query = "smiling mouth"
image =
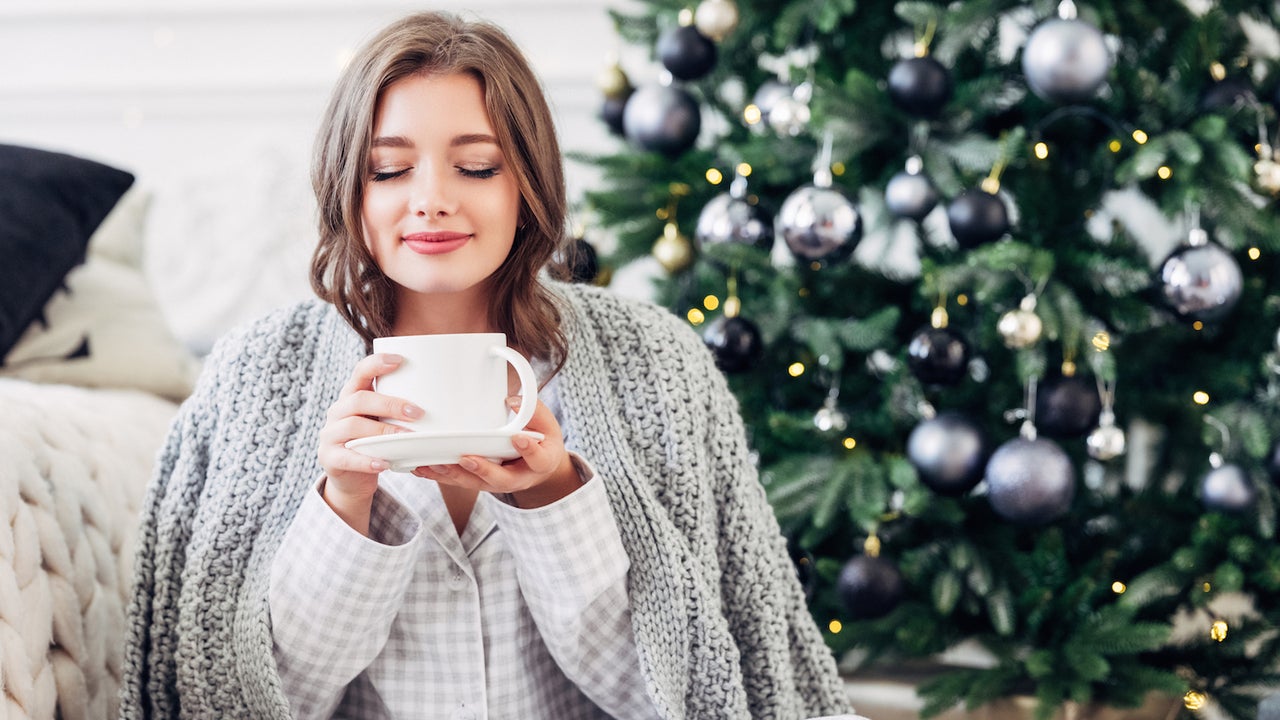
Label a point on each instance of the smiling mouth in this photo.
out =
(435, 243)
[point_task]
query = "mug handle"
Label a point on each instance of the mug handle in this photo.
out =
(528, 388)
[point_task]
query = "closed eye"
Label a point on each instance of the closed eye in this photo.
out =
(478, 173)
(391, 175)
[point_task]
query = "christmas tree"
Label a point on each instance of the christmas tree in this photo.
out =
(997, 285)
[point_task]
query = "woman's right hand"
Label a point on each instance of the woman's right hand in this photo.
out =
(351, 478)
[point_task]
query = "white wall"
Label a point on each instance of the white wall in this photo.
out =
(212, 104)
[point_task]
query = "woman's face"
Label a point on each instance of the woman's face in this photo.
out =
(440, 204)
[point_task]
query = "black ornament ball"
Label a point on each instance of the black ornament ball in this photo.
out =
(687, 53)
(611, 112)
(1273, 463)
(735, 342)
(1201, 282)
(871, 587)
(920, 86)
(662, 118)
(1030, 482)
(977, 217)
(949, 453)
(1067, 406)
(1227, 489)
(938, 356)
(583, 261)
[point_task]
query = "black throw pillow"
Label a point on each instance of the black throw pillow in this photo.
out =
(50, 204)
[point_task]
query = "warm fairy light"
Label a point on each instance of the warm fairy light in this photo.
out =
(835, 627)
(1068, 368)
(714, 176)
(1254, 253)
(695, 316)
(1118, 587)
(1218, 631)
(1218, 71)
(962, 299)
(744, 169)
(1194, 700)
(1139, 137)
(751, 114)
(1114, 146)
(815, 266)
(711, 302)
(1101, 341)
(1208, 587)
(661, 213)
(990, 185)
(850, 443)
(1165, 172)
(796, 369)
(1042, 150)
(1200, 397)
(1197, 325)
(837, 168)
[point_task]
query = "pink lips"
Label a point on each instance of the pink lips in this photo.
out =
(435, 243)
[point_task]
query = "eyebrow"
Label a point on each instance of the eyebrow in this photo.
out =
(399, 141)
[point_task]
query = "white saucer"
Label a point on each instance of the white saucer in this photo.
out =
(406, 451)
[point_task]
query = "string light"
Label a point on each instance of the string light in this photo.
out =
(1118, 587)
(1208, 587)
(1042, 150)
(1101, 341)
(695, 316)
(1139, 137)
(714, 176)
(835, 626)
(849, 443)
(1218, 631)
(1254, 253)
(1194, 700)
(751, 114)
(744, 169)
(837, 168)
(796, 369)
(1200, 397)
(1165, 172)
(1197, 325)
(1114, 146)
(962, 299)
(815, 266)
(711, 302)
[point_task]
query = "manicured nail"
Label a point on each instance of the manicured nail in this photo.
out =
(392, 359)
(521, 442)
(412, 411)
(379, 465)
(468, 463)
(513, 402)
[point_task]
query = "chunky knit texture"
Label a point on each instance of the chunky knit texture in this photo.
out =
(719, 617)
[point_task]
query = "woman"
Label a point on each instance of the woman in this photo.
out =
(640, 574)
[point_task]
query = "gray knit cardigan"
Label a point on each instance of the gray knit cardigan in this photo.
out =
(720, 621)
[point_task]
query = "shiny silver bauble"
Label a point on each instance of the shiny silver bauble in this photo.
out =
(727, 219)
(1227, 489)
(1201, 282)
(910, 195)
(1106, 442)
(819, 224)
(1066, 60)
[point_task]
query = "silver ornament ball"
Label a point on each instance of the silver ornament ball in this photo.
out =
(726, 219)
(1201, 282)
(1227, 488)
(910, 195)
(789, 116)
(1268, 176)
(819, 224)
(1065, 60)
(1030, 482)
(829, 418)
(1106, 442)
(768, 95)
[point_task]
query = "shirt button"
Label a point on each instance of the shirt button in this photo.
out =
(457, 580)
(464, 713)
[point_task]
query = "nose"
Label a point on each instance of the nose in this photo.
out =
(431, 194)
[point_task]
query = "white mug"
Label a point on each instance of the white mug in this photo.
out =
(459, 381)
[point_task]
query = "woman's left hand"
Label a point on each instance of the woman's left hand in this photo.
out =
(540, 476)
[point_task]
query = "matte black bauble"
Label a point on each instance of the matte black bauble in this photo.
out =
(920, 86)
(611, 112)
(687, 53)
(977, 217)
(938, 356)
(735, 342)
(1030, 482)
(662, 118)
(871, 587)
(1067, 407)
(948, 452)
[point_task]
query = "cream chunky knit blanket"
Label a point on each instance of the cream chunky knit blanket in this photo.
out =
(74, 463)
(719, 618)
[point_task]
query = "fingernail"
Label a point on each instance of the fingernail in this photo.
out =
(513, 402)
(521, 441)
(379, 465)
(468, 463)
(392, 359)
(412, 411)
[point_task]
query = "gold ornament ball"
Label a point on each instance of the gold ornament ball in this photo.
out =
(1020, 328)
(613, 82)
(716, 18)
(673, 250)
(1268, 176)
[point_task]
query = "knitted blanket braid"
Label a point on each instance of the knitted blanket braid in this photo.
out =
(719, 618)
(75, 464)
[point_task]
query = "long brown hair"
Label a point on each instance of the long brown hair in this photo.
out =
(343, 271)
